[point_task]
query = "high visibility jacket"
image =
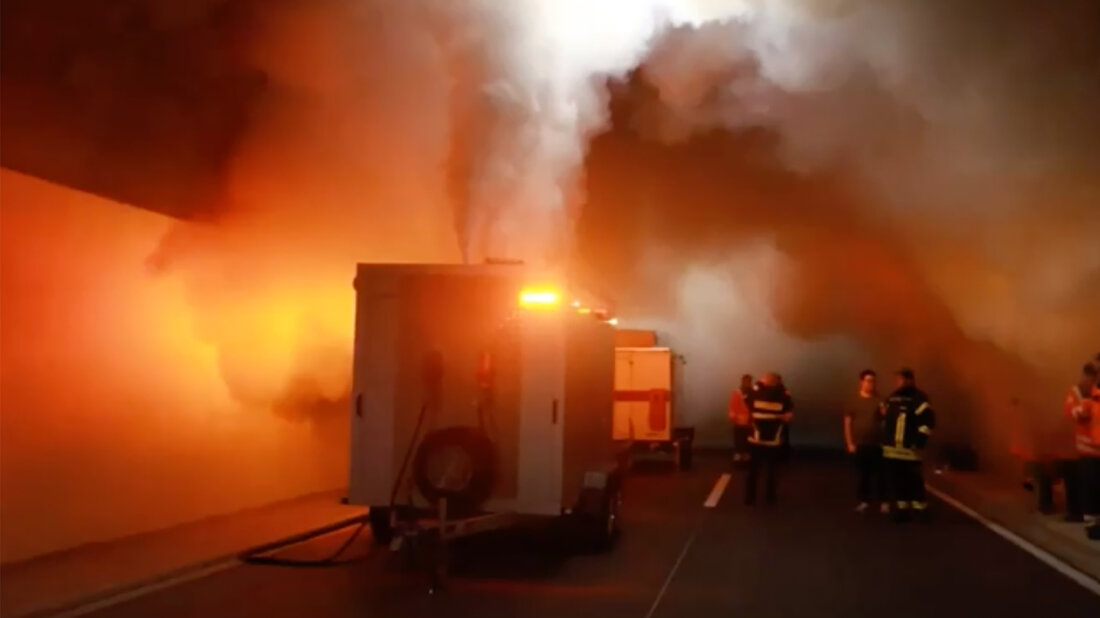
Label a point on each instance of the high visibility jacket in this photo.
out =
(738, 411)
(908, 423)
(770, 412)
(1093, 407)
(1083, 412)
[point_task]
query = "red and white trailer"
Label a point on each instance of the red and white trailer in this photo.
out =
(644, 412)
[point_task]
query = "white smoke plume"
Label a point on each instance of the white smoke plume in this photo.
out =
(540, 96)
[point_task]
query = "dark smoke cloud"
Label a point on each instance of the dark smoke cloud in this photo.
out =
(925, 168)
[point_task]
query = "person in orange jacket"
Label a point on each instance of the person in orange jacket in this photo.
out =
(1092, 463)
(741, 420)
(1081, 408)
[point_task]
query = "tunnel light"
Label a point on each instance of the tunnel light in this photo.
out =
(538, 297)
(613, 321)
(584, 310)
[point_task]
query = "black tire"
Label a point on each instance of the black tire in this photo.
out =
(685, 455)
(380, 528)
(600, 529)
(685, 440)
(477, 449)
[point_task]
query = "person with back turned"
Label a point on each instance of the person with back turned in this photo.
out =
(907, 425)
(863, 438)
(740, 419)
(770, 410)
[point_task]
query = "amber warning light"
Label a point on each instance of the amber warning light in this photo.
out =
(538, 297)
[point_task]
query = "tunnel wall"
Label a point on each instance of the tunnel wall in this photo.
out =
(113, 417)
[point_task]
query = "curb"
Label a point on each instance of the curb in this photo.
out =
(1048, 550)
(137, 588)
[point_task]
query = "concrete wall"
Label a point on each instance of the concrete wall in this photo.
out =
(114, 419)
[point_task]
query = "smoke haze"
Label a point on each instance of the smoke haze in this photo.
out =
(912, 178)
(818, 185)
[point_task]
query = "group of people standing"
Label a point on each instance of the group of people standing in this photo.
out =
(887, 436)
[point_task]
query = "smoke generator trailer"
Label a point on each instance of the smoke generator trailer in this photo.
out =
(482, 397)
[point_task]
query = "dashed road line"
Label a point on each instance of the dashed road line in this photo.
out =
(716, 493)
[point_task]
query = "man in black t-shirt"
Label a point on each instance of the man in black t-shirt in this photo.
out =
(863, 438)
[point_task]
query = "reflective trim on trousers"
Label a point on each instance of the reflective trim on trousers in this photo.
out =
(899, 452)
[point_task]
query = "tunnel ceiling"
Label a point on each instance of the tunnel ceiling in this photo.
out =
(140, 101)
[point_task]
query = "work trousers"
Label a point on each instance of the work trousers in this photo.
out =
(766, 459)
(1045, 473)
(906, 483)
(741, 435)
(1090, 485)
(870, 483)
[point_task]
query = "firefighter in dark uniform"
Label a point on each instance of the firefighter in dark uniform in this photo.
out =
(909, 420)
(770, 409)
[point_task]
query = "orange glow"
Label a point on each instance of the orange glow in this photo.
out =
(533, 297)
(584, 310)
(128, 404)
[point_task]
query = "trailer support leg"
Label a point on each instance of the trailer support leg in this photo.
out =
(440, 558)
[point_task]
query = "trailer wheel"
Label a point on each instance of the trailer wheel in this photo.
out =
(600, 529)
(380, 528)
(685, 440)
(683, 450)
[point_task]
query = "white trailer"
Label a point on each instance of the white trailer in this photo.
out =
(482, 395)
(644, 412)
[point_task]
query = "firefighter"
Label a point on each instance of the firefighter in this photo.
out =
(740, 419)
(770, 408)
(1080, 407)
(907, 424)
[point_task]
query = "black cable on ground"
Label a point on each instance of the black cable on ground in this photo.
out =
(255, 556)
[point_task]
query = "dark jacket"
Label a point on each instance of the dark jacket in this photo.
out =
(768, 406)
(908, 423)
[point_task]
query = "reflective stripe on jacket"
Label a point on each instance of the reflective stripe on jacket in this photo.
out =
(769, 411)
(908, 423)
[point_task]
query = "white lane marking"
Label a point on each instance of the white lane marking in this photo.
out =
(141, 591)
(1044, 556)
(716, 493)
(672, 573)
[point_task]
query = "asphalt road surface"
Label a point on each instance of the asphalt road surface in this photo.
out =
(810, 555)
